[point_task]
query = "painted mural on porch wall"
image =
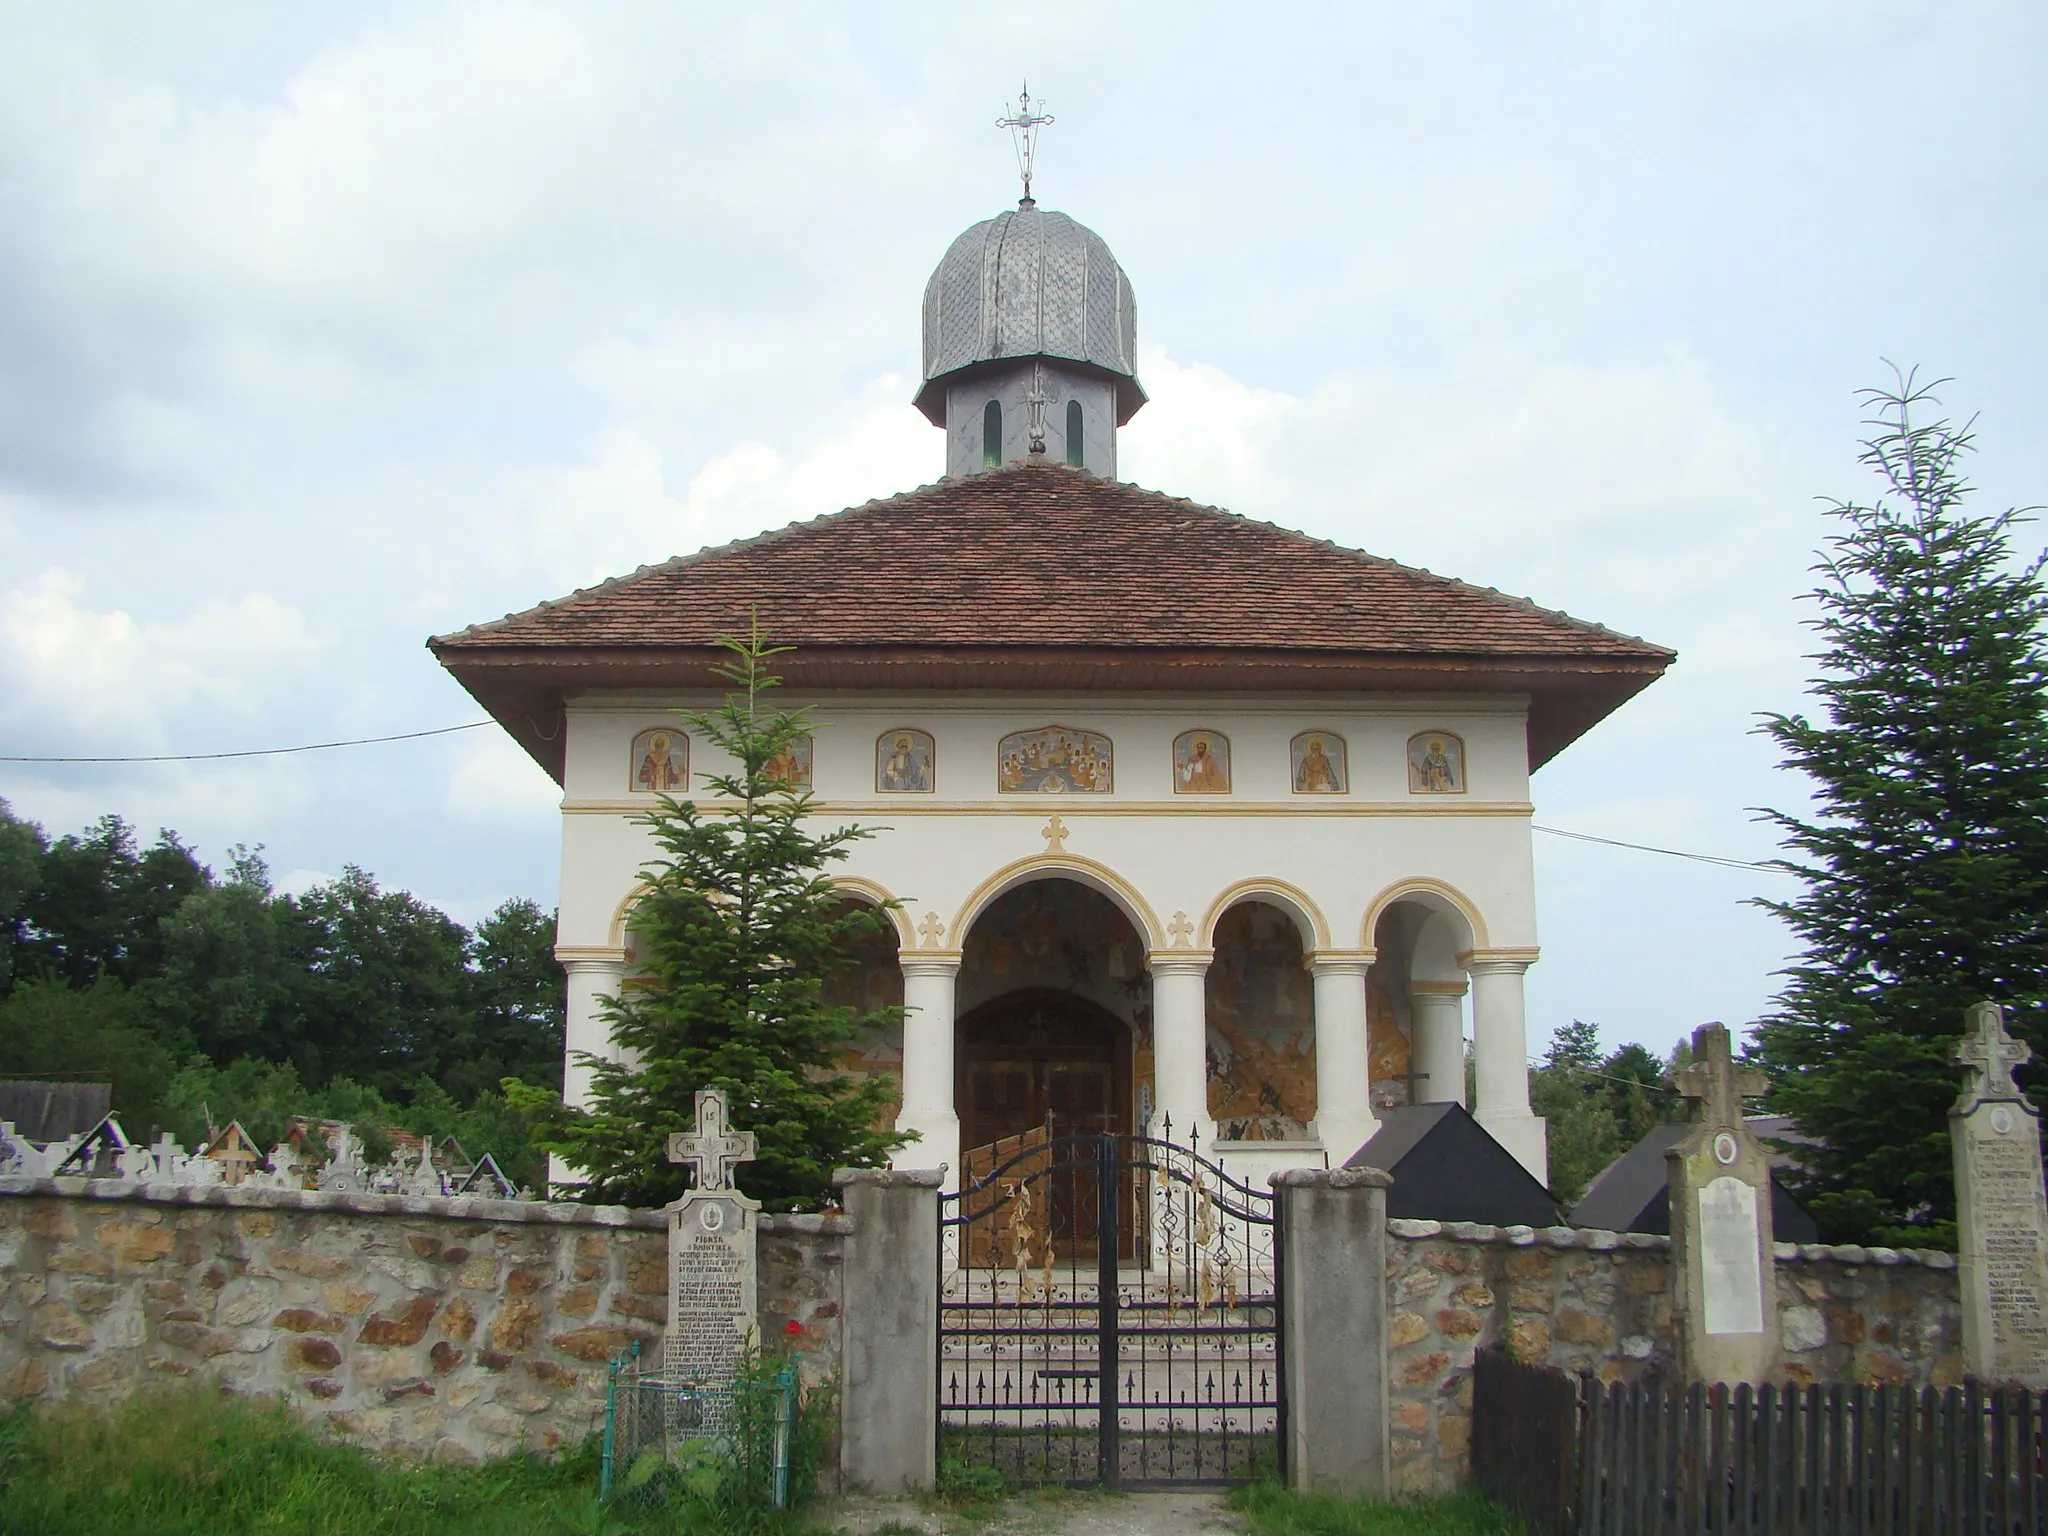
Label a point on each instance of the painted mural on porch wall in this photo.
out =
(873, 980)
(1261, 1029)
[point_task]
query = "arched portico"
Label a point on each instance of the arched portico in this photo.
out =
(1433, 944)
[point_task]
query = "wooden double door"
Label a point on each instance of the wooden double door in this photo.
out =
(1040, 1058)
(1038, 1064)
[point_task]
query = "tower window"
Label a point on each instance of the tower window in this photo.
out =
(1074, 433)
(992, 434)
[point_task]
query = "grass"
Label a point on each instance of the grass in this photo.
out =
(188, 1462)
(1271, 1510)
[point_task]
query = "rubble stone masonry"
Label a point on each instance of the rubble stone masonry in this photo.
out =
(1601, 1302)
(455, 1329)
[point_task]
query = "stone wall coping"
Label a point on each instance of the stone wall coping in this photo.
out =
(890, 1178)
(442, 1208)
(1331, 1178)
(1601, 1242)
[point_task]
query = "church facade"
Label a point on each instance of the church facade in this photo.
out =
(1189, 819)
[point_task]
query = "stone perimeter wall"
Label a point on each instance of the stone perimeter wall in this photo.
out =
(1601, 1302)
(455, 1329)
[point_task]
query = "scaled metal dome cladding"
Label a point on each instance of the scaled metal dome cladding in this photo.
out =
(1029, 283)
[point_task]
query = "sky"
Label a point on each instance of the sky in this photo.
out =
(325, 328)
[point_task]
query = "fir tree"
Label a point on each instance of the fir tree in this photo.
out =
(741, 930)
(1925, 856)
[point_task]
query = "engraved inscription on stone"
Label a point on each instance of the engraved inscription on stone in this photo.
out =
(713, 1283)
(2001, 1209)
(1730, 1258)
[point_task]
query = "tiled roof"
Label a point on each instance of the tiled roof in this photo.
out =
(1047, 557)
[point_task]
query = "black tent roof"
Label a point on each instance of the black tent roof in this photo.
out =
(1447, 1168)
(1633, 1193)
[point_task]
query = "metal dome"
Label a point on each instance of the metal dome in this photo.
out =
(1028, 283)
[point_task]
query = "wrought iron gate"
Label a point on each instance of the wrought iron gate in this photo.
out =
(1108, 1313)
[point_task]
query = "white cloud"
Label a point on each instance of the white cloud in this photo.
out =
(115, 684)
(493, 780)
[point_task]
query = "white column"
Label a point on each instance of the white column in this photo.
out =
(928, 1113)
(1439, 1023)
(1180, 1043)
(594, 974)
(1344, 1118)
(1500, 1054)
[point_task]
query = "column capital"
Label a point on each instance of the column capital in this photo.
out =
(929, 962)
(1179, 962)
(1438, 988)
(1339, 962)
(1497, 962)
(576, 958)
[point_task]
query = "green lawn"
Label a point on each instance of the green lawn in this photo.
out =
(1270, 1510)
(191, 1463)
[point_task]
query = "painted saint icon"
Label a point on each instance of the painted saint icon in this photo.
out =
(1054, 760)
(791, 767)
(1436, 764)
(1319, 763)
(1201, 763)
(903, 762)
(660, 762)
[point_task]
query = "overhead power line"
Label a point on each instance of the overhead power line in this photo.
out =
(214, 757)
(1669, 853)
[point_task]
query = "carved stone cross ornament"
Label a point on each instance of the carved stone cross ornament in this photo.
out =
(1713, 1082)
(1180, 930)
(711, 1150)
(930, 931)
(1990, 1056)
(1055, 835)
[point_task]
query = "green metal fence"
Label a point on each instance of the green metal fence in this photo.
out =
(728, 1439)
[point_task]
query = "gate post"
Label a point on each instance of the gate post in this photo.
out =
(888, 1403)
(1332, 1250)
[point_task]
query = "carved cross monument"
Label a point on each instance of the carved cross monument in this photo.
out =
(712, 1279)
(1724, 1273)
(711, 1150)
(2001, 1209)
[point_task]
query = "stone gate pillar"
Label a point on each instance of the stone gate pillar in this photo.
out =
(1332, 1246)
(889, 1405)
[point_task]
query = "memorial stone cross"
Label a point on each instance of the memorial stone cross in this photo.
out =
(711, 1150)
(1723, 1268)
(2001, 1208)
(712, 1276)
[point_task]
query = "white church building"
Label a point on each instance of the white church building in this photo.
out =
(1188, 815)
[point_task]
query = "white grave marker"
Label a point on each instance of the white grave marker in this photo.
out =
(2001, 1209)
(712, 1279)
(1724, 1273)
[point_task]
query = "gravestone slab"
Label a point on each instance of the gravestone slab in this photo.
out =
(713, 1282)
(2001, 1209)
(1724, 1273)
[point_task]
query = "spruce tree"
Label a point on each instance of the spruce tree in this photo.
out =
(741, 929)
(1924, 859)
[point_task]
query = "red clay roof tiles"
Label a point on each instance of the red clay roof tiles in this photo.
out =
(1044, 556)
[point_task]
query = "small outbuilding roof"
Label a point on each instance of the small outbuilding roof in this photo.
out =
(1447, 1168)
(45, 1112)
(1633, 1193)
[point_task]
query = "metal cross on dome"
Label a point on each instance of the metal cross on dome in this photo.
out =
(1990, 1054)
(711, 1150)
(1024, 124)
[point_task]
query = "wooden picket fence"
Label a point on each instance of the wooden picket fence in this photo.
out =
(1575, 1458)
